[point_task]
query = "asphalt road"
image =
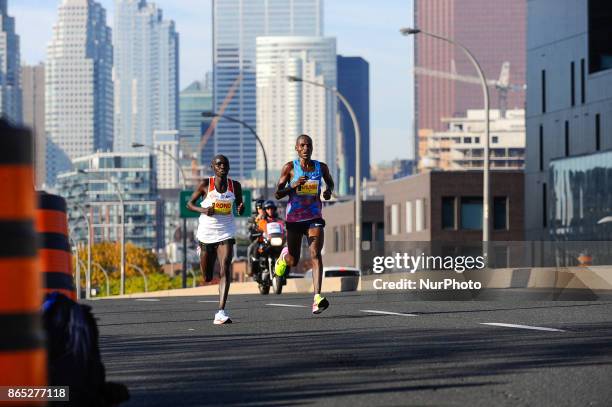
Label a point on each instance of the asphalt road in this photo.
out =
(358, 353)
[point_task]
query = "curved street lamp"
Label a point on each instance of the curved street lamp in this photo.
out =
(184, 183)
(231, 119)
(358, 197)
(88, 275)
(144, 276)
(105, 275)
(486, 194)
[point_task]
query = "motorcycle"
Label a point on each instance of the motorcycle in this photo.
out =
(270, 243)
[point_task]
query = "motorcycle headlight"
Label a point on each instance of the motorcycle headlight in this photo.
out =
(276, 241)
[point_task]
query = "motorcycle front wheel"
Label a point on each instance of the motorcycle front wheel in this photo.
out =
(264, 289)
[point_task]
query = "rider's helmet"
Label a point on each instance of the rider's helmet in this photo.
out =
(270, 204)
(259, 204)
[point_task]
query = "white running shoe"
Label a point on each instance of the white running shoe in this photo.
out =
(221, 317)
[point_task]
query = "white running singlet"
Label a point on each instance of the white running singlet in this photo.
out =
(221, 225)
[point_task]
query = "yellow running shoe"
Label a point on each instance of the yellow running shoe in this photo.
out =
(320, 304)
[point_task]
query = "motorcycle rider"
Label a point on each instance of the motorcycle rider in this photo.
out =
(253, 228)
(271, 215)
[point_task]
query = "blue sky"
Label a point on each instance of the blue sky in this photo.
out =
(362, 28)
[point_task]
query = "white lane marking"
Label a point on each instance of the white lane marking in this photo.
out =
(213, 301)
(147, 299)
(191, 329)
(535, 328)
(288, 305)
(373, 311)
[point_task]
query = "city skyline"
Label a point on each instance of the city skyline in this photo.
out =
(388, 53)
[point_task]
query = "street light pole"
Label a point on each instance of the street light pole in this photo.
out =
(88, 275)
(184, 234)
(486, 193)
(263, 150)
(358, 196)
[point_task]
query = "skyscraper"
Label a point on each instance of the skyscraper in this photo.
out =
(287, 109)
(78, 85)
(493, 30)
(354, 84)
(193, 100)
(10, 89)
(236, 25)
(146, 73)
(33, 83)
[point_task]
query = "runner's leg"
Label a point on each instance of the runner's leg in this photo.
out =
(207, 262)
(315, 244)
(225, 253)
(294, 245)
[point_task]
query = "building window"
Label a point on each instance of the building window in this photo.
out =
(573, 83)
(366, 231)
(543, 91)
(494, 139)
(541, 148)
(395, 219)
(409, 218)
(420, 214)
(448, 213)
(500, 213)
(567, 141)
(350, 238)
(336, 239)
(380, 232)
(471, 213)
(582, 82)
(597, 132)
(544, 206)
(467, 140)
(600, 32)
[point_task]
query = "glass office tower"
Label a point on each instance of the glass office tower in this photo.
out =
(236, 25)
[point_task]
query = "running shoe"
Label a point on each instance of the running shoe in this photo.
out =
(320, 304)
(221, 317)
(281, 265)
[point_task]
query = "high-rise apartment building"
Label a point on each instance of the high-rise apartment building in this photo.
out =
(100, 182)
(10, 88)
(354, 84)
(287, 109)
(33, 86)
(146, 66)
(493, 30)
(236, 25)
(568, 168)
(461, 146)
(78, 85)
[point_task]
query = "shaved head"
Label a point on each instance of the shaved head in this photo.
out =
(219, 157)
(303, 136)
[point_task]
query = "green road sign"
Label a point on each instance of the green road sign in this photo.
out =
(186, 213)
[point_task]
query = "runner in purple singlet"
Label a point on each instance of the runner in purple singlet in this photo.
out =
(301, 181)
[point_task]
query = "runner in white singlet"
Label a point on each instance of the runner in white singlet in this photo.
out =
(216, 229)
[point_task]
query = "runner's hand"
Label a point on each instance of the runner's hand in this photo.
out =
(241, 208)
(210, 211)
(301, 181)
(327, 194)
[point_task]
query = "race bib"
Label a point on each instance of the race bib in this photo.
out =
(274, 227)
(223, 207)
(311, 187)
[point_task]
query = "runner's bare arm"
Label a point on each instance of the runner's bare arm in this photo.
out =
(282, 189)
(200, 192)
(239, 198)
(329, 182)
